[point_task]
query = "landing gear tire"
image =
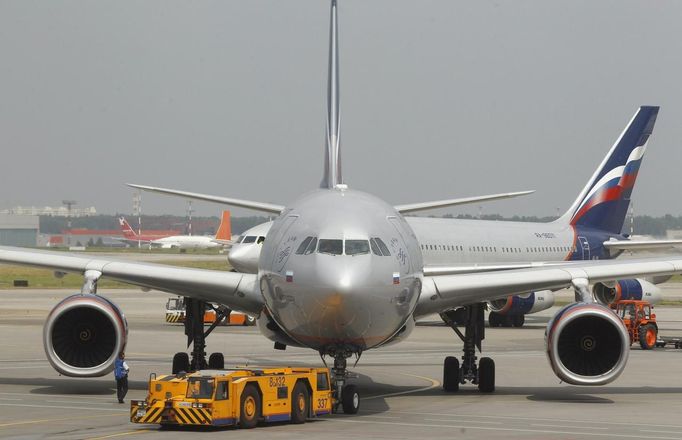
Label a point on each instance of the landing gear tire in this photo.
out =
(300, 402)
(216, 361)
(350, 399)
(647, 336)
(518, 320)
(180, 362)
(486, 375)
(451, 374)
(250, 407)
(494, 319)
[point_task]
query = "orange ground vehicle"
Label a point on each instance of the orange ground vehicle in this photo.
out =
(175, 314)
(640, 322)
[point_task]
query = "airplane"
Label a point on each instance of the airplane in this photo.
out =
(130, 235)
(222, 238)
(342, 272)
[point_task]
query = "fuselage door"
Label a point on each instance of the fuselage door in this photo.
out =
(584, 247)
(284, 244)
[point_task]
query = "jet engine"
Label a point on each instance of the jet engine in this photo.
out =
(523, 304)
(83, 335)
(587, 344)
(637, 289)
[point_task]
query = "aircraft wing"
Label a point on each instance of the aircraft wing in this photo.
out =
(435, 270)
(258, 206)
(641, 245)
(234, 290)
(421, 206)
(443, 292)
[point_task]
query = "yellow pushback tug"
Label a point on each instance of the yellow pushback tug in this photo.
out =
(240, 397)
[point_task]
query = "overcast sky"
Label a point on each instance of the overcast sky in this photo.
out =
(439, 99)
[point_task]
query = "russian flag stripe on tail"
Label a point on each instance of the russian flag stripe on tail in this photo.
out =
(604, 201)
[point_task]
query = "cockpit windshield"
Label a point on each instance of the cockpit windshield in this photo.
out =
(249, 239)
(357, 247)
(332, 247)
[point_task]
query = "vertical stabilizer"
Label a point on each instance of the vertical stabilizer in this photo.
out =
(128, 231)
(603, 203)
(332, 163)
(225, 228)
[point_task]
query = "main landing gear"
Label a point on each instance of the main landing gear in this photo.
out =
(346, 396)
(483, 373)
(196, 336)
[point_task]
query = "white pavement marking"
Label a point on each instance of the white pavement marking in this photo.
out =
(490, 428)
(463, 421)
(567, 426)
(64, 407)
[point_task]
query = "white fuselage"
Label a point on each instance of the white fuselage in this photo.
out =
(185, 242)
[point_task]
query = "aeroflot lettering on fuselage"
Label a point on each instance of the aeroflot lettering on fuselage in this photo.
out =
(545, 235)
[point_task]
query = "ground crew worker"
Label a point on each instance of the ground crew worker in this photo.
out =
(121, 374)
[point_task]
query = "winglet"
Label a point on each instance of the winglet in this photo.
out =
(225, 229)
(332, 163)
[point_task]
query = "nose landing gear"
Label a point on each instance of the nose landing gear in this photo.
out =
(346, 396)
(481, 374)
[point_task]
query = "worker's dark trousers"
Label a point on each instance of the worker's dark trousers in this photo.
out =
(121, 388)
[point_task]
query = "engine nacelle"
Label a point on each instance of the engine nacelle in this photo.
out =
(587, 344)
(637, 289)
(83, 335)
(523, 304)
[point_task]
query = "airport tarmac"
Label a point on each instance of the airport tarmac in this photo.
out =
(400, 384)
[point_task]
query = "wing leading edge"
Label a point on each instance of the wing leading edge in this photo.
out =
(448, 291)
(235, 290)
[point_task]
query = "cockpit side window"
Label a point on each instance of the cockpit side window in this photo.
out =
(311, 247)
(260, 240)
(375, 247)
(357, 247)
(330, 246)
(304, 245)
(249, 239)
(239, 239)
(383, 247)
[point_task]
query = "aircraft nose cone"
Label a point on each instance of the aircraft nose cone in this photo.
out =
(239, 259)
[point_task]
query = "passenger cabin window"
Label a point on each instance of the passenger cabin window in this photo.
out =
(304, 245)
(249, 239)
(331, 247)
(357, 247)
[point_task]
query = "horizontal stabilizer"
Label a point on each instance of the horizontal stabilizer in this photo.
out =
(463, 201)
(641, 245)
(258, 206)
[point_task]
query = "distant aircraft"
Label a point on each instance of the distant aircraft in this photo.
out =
(342, 272)
(130, 235)
(223, 237)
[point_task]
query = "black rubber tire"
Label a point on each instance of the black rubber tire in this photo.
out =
(350, 399)
(518, 320)
(644, 342)
(451, 374)
(486, 375)
(300, 403)
(250, 408)
(180, 362)
(216, 361)
(494, 319)
(507, 320)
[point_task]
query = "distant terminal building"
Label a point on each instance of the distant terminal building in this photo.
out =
(87, 237)
(19, 230)
(61, 211)
(674, 234)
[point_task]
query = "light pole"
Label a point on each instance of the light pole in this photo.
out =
(69, 205)
(137, 211)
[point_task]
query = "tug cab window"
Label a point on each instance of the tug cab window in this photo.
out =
(329, 246)
(200, 388)
(357, 247)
